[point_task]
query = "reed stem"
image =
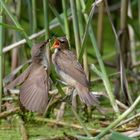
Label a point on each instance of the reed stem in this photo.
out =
(100, 27)
(15, 22)
(75, 26)
(120, 118)
(1, 59)
(81, 30)
(57, 15)
(46, 25)
(101, 64)
(67, 32)
(34, 26)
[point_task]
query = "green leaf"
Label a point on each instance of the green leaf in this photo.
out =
(11, 27)
(135, 26)
(119, 136)
(88, 6)
(57, 16)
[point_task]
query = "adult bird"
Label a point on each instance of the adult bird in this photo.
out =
(71, 71)
(34, 81)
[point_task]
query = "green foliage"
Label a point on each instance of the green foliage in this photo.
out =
(56, 18)
(119, 136)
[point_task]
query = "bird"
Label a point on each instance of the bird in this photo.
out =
(34, 81)
(71, 71)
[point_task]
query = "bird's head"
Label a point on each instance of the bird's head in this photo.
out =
(38, 50)
(61, 43)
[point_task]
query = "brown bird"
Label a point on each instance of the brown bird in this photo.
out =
(34, 81)
(71, 70)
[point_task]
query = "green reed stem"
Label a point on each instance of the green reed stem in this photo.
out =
(57, 15)
(81, 30)
(15, 22)
(120, 118)
(80, 121)
(1, 45)
(46, 24)
(101, 64)
(30, 18)
(67, 32)
(34, 26)
(46, 18)
(75, 26)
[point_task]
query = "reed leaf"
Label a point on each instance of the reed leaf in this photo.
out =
(67, 32)
(5, 8)
(75, 26)
(1, 59)
(101, 64)
(11, 27)
(57, 15)
(34, 26)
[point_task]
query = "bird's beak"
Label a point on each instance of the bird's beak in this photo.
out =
(56, 44)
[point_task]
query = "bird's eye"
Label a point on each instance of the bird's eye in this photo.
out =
(42, 45)
(62, 41)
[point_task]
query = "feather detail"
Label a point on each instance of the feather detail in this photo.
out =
(88, 98)
(34, 91)
(65, 60)
(20, 79)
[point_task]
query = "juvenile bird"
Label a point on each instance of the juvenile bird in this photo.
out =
(34, 81)
(71, 71)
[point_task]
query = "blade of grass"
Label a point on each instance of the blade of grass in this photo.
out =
(34, 26)
(15, 59)
(132, 37)
(101, 64)
(86, 29)
(119, 53)
(15, 22)
(46, 18)
(10, 27)
(139, 14)
(53, 24)
(29, 9)
(93, 67)
(1, 45)
(57, 16)
(80, 121)
(124, 47)
(81, 30)
(46, 25)
(67, 32)
(120, 118)
(100, 28)
(87, 26)
(117, 121)
(75, 26)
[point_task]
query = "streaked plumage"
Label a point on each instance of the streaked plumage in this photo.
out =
(34, 81)
(71, 71)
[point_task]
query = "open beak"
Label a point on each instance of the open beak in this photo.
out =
(56, 44)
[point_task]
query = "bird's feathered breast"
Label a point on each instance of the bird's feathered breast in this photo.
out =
(66, 61)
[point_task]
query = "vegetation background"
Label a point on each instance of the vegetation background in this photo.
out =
(105, 35)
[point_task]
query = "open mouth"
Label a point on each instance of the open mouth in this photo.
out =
(56, 44)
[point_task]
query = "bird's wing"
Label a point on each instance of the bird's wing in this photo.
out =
(20, 79)
(67, 62)
(34, 91)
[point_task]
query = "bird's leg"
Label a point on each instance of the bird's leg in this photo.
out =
(69, 92)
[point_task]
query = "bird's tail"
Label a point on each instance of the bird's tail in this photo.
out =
(88, 98)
